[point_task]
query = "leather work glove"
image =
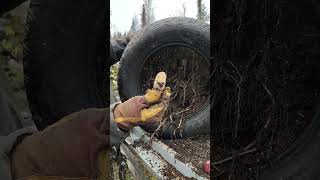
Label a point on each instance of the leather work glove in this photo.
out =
(145, 109)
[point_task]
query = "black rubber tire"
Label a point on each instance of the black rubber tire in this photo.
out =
(301, 160)
(186, 32)
(65, 57)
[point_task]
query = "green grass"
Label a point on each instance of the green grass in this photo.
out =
(114, 70)
(14, 28)
(11, 47)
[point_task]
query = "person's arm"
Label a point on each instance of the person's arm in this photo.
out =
(7, 143)
(72, 146)
(117, 132)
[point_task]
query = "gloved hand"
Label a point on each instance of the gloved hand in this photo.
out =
(145, 109)
(76, 146)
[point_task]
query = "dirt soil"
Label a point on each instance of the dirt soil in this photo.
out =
(194, 151)
(171, 173)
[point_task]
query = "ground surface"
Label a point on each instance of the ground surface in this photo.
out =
(194, 151)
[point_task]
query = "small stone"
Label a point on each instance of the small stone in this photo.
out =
(206, 166)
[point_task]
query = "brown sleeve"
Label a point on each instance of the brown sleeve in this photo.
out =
(6, 145)
(68, 148)
(116, 135)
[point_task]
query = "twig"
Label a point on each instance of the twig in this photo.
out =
(269, 92)
(251, 60)
(171, 120)
(174, 131)
(216, 168)
(175, 95)
(184, 92)
(187, 109)
(158, 128)
(175, 86)
(238, 94)
(240, 77)
(180, 122)
(250, 145)
(232, 157)
(267, 123)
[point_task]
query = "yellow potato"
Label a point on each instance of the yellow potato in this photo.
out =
(153, 96)
(160, 81)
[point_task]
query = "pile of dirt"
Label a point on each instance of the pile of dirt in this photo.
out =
(188, 77)
(194, 151)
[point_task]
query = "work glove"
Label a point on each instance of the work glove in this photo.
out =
(142, 110)
(76, 146)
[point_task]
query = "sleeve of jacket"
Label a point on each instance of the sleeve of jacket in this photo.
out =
(7, 143)
(116, 135)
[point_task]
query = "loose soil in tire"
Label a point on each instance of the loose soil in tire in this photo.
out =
(187, 76)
